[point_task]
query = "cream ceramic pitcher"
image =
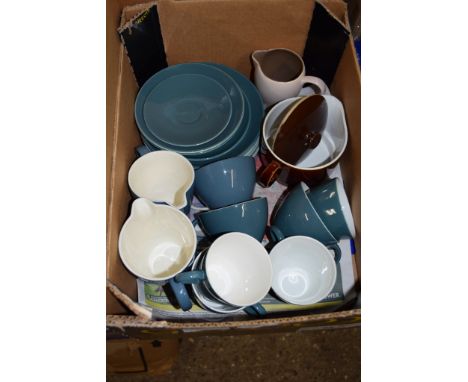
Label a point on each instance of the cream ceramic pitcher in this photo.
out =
(156, 243)
(280, 74)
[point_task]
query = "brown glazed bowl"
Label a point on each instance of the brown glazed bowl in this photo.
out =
(312, 167)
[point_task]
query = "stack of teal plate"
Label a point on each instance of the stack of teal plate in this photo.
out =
(204, 111)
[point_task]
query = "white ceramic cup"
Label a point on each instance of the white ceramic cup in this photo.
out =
(157, 241)
(304, 270)
(288, 78)
(203, 296)
(237, 271)
(164, 177)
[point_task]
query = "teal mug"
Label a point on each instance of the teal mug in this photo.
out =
(220, 274)
(331, 203)
(296, 216)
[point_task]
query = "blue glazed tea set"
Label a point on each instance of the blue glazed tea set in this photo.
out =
(202, 126)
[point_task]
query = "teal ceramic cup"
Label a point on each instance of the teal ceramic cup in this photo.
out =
(250, 217)
(236, 272)
(226, 182)
(331, 203)
(296, 216)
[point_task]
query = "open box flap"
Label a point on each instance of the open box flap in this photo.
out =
(137, 327)
(303, 26)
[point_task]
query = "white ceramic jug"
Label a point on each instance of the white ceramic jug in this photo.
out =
(157, 241)
(280, 74)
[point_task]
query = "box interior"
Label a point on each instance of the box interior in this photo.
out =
(196, 30)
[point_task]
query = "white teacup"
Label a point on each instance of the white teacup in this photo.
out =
(280, 74)
(163, 177)
(236, 271)
(203, 296)
(304, 270)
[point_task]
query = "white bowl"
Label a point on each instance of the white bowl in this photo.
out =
(304, 270)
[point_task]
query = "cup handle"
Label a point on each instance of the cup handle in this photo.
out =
(181, 294)
(191, 277)
(255, 310)
(269, 174)
(335, 248)
(318, 82)
(142, 150)
(276, 234)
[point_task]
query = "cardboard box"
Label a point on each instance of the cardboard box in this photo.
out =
(224, 31)
(141, 357)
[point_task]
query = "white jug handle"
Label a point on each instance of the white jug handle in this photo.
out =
(317, 82)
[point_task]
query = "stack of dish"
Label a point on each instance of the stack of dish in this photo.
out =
(204, 111)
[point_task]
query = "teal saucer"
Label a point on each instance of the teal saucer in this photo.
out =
(188, 108)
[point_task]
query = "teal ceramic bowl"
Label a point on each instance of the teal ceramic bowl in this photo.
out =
(189, 108)
(296, 216)
(331, 203)
(249, 217)
(226, 182)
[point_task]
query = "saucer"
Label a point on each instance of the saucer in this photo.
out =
(188, 107)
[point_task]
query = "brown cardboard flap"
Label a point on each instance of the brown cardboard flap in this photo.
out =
(338, 9)
(114, 305)
(112, 73)
(132, 11)
(131, 304)
(126, 138)
(326, 35)
(136, 327)
(113, 69)
(347, 87)
(264, 24)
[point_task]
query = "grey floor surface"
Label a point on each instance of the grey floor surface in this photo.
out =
(319, 355)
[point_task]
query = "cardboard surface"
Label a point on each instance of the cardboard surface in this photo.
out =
(113, 47)
(198, 30)
(136, 327)
(347, 87)
(141, 356)
(228, 31)
(112, 74)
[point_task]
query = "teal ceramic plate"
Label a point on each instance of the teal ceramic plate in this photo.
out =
(251, 151)
(189, 106)
(248, 143)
